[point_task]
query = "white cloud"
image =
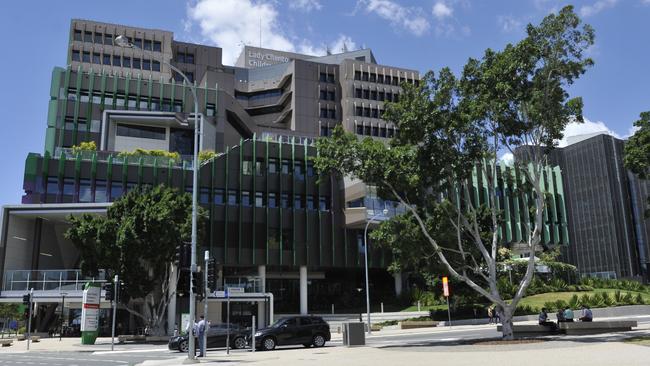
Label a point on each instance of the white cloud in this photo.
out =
(597, 7)
(409, 18)
(508, 23)
(335, 46)
(441, 10)
(230, 24)
(507, 158)
(574, 129)
(305, 5)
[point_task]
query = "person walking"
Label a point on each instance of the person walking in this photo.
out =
(490, 313)
(201, 328)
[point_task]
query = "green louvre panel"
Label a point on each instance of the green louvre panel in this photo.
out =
(306, 198)
(546, 233)
(516, 205)
(254, 191)
(484, 182)
(241, 195)
(76, 108)
(293, 197)
(551, 202)
(31, 167)
(225, 226)
(505, 175)
(474, 188)
(559, 187)
(266, 219)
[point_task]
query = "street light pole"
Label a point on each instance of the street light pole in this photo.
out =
(122, 41)
(365, 250)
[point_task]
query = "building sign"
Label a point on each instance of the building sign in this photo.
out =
(261, 59)
(445, 286)
(90, 313)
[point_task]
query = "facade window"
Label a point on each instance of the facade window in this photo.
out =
(373, 95)
(381, 96)
(364, 76)
(358, 111)
(86, 56)
(210, 110)
(232, 197)
(218, 197)
(310, 203)
(323, 113)
(357, 92)
(52, 185)
(396, 81)
(284, 200)
(126, 61)
(310, 169)
(323, 77)
(323, 94)
(155, 66)
(117, 60)
(136, 63)
(331, 95)
(389, 132)
(145, 132)
(389, 96)
(273, 200)
(357, 75)
(138, 42)
(388, 79)
(146, 64)
(395, 97)
(359, 129)
(330, 78)
(247, 167)
(366, 94)
(85, 192)
(186, 58)
(76, 56)
(116, 190)
(331, 113)
(375, 131)
(297, 202)
(83, 97)
(68, 186)
(98, 38)
(77, 35)
(285, 166)
(108, 39)
(382, 132)
(147, 45)
(323, 204)
(88, 36)
(96, 58)
(366, 130)
(273, 166)
(324, 131)
(380, 79)
(366, 111)
(157, 46)
(297, 170)
(375, 113)
(259, 168)
(373, 78)
(106, 59)
(259, 199)
(246, 199)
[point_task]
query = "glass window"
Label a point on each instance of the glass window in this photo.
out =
(297, 170)
(232, 197)
(218, 197)
(96, 58)
(106, 59)
(273, 200)
(157, 46)
(382, 132)
(138, 42)
(126, 61)
(364, 76)
(116, 189)
(100, 191)
(388, 79)
(380, 79)
(366, 111)
(86, 56)
(323, 94)
(95, 125)
(259, 168)
(322, 77)
(324, 131)
(52, 185)
(373, 95)
(68, 186)
(204, 195)
(76, 56)
(357, 93)
(357, 75)
(147, 44)
(259, 199)
(284, 200)
(331, 113)
(330, 78)
(359, 130)
(323, 112)
(323, 204)
(366, 130)
(189, 58)
(131, 102)
(389, 132)
(88, 36)
(285, 166)
(85, 193)
(247, 167)
(381, 96)
(375, 113)
(98, 38)
(366, 94)
(147, 132)
(120, 100)
(83, 97)
(108, 39)
(310, 169)
(297, 202)
(396, 98)
(273, 166)
(155, 66)
(146, 64)
(310, 203)
(246, 198)
(77, 35)
(373, 78)
(331, 95)
(375, 131)
(136, 63)
(117, 60)
(358, 111)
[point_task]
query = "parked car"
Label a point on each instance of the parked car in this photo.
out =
(217, 335)
(306, 330)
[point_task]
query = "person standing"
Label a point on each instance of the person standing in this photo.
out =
(201, 328)
(490, 313)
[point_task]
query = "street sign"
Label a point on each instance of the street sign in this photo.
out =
(445, 286)
(90, 313)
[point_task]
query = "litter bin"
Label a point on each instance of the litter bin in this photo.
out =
(354, 334)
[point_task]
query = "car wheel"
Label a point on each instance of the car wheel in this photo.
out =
(307, 345)
(239, 343)
(183, 347)
(268, 344)
(318, 340)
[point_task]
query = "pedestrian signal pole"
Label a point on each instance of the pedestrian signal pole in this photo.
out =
(114, 313)
(445, 290)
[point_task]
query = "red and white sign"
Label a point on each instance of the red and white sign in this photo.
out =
(445, 286)
(90, 309)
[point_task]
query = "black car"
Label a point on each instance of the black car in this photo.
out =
(306, 330)
(217, 335)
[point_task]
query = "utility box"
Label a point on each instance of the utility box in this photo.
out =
(354, 334)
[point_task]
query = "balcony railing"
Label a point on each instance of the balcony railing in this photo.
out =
(50, 280)
(148, 160)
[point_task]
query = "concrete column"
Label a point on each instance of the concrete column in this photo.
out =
(261, 270)
(261, 315)
(171, 307)
(398, 283)
(303, 290)
(214, 312)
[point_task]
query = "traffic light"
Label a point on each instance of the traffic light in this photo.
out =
(198, 285)
(211, 267)
(183, 286)
(109, 289)
(183, 254)
(27, 299)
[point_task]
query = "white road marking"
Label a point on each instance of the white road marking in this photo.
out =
(131, 351)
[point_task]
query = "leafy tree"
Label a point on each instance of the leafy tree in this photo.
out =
(136, 240)
(507, 100)
(637, 150)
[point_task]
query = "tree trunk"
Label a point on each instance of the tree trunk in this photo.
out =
(506, 324)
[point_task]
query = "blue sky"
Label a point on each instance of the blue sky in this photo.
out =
(423, 35)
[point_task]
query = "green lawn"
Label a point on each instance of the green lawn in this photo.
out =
(539, 300)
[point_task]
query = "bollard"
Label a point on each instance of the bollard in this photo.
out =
(253, 335)
(332, 308)
(418, 306)
(382, 307)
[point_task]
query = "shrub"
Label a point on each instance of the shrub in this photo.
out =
(206, 155)
(639, 300)
(156, 153)
(84, 146)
